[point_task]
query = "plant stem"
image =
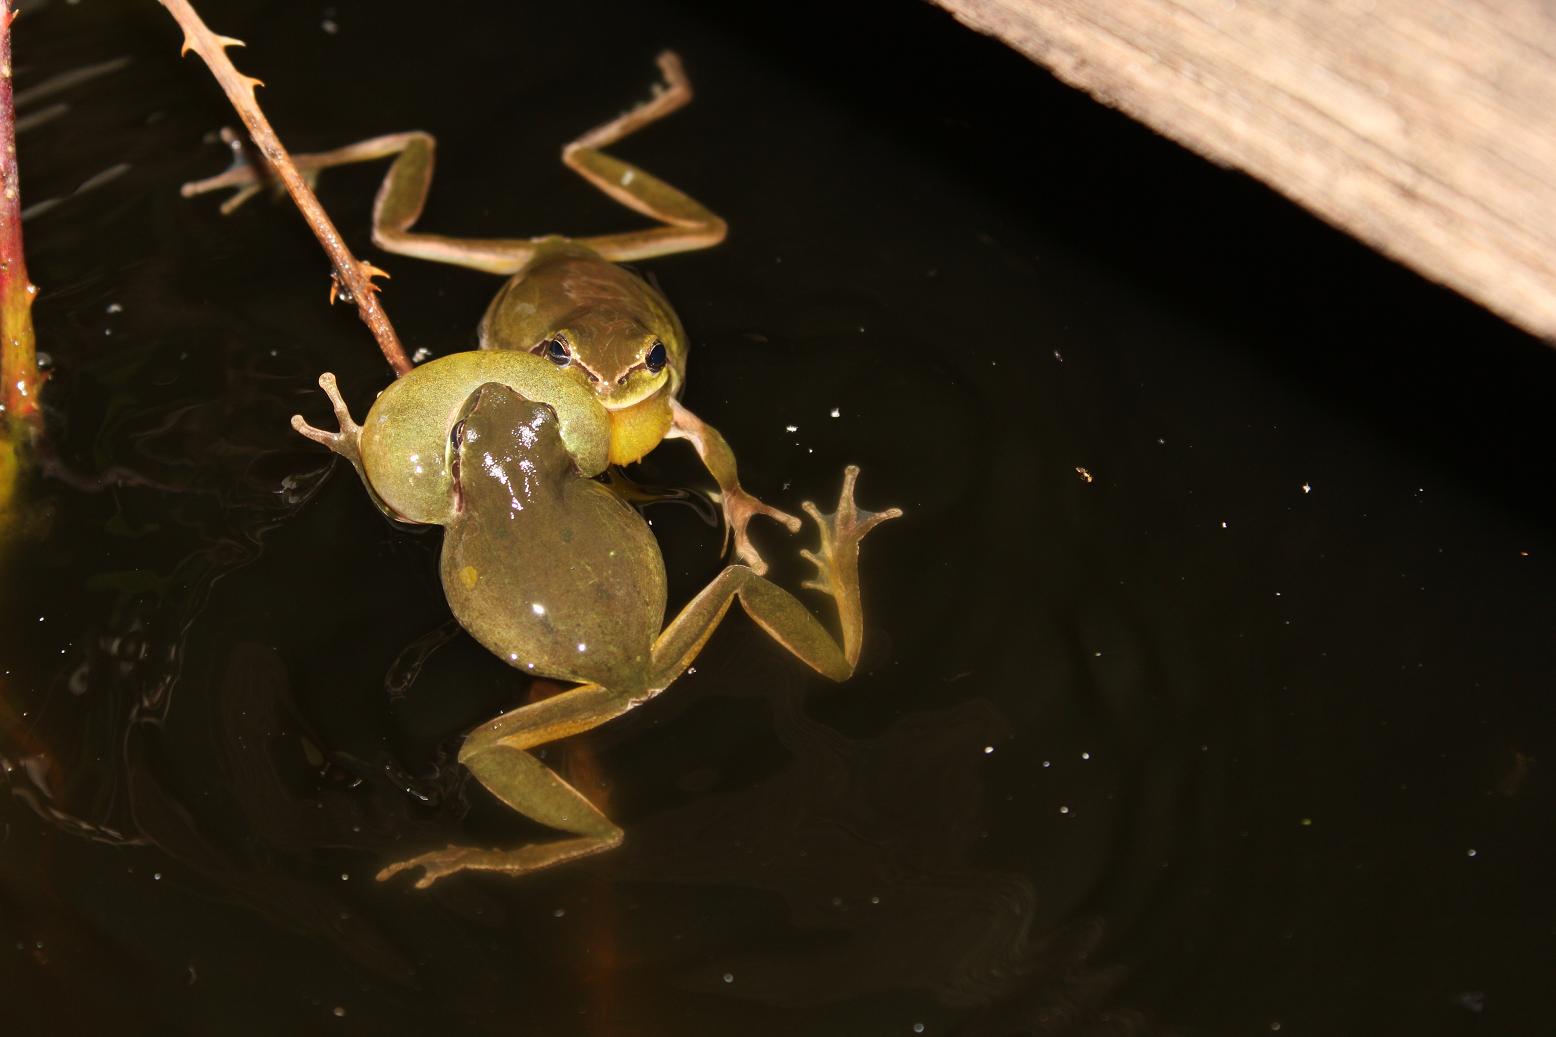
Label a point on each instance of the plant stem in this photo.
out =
(18, 346)
(351, 275)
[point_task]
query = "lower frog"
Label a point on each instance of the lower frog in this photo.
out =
(549, 569)
(566, 299)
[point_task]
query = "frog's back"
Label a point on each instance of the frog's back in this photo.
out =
(570, 287)
(575, 590)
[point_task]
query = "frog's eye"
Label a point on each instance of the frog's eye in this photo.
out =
(557, 352)
(456, 435)
(655, 358)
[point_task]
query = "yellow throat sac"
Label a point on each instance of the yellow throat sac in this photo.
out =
(637, 429)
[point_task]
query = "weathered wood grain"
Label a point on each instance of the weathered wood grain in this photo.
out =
(1426, 128)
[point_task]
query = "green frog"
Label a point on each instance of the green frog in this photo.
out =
(549, 569)
(566, 299)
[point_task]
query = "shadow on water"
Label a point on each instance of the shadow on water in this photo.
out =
(1205, 685)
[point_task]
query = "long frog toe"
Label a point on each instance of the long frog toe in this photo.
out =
(739, 509)
(841, 532)
(437, 864)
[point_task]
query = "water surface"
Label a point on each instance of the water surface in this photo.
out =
(1207, 680)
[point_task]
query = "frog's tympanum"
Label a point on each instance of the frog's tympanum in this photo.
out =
(549, 569)
(566, 299)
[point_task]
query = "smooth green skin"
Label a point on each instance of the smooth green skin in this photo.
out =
(571, 290)
(551, 571)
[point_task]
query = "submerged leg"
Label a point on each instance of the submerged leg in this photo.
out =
(495, 754)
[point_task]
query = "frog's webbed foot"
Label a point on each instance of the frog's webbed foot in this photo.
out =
(739, 509)
(836, 558)
(437, 864)
(243, 178)
(440, 864)
(841, 531)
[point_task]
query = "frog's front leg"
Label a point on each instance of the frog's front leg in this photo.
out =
(739, 506)
(347, 442)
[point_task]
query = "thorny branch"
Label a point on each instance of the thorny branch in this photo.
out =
(352, 277)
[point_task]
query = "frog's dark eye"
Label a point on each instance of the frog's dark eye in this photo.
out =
(655, 358)
(557, 352)
(456, 435)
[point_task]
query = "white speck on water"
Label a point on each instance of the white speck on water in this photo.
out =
(339, 1011)
(559, 912)
(537, 608)
(582, 647)
(1047, 764)
(627, 177)
(837, 412)
(791, 428)
(1064, 810)
(1471, 852)
(1223, 525)
(156, 876)
(918, 1027)
(729, 977)
(421, 356)
(114, 307)
(988, 749)
(1307, 487)
(1085, 756)
(329, 26)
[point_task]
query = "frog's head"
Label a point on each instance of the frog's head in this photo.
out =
(505, 449)
(610, 331)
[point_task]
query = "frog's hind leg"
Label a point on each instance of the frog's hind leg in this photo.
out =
(496, 754)
(777, 611)
(403, 194)
(688, 225)
(401, 198)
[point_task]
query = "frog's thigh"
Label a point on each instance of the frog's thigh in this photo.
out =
(495, 754)
(774, 609)
(690, 224)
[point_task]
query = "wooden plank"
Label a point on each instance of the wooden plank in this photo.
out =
(1426, 128)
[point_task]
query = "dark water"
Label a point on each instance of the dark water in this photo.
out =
(1252, 730)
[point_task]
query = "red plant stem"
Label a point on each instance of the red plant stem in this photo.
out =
(350, 274)
(18, 347)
